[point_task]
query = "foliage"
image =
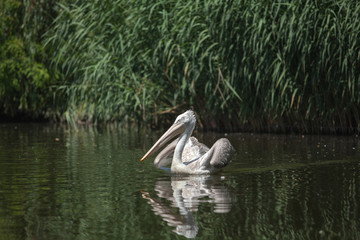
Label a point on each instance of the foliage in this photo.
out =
(253, 65)
(259, 65)
(24, 77)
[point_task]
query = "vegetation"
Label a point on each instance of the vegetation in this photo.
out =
(25, 79)
(241, 65)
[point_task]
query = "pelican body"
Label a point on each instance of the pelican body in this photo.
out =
(186, 154)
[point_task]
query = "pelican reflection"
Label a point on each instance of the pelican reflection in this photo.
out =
(186, 193)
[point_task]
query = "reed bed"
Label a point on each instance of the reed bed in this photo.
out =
(241, 65)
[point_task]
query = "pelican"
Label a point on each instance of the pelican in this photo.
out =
(186, 154)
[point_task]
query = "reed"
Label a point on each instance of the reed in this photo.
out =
(241, 65)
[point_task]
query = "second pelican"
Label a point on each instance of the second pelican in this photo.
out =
(188, 155)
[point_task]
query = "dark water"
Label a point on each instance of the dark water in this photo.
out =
(57, 183)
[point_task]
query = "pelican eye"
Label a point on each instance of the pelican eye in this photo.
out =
(180, 120)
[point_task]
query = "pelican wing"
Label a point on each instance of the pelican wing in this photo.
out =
(193, 150)
(219, 154)
(223, 151)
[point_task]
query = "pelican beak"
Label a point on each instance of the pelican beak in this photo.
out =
(172, 132)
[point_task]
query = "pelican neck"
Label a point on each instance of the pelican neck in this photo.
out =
(184, 137)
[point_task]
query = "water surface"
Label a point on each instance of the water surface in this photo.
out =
(58, 183)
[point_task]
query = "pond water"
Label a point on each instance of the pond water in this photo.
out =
(58, 183)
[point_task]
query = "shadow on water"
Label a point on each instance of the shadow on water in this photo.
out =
(57, 183)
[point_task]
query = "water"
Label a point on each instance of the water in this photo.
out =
(57, 183)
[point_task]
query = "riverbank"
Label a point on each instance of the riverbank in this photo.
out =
(241, 66)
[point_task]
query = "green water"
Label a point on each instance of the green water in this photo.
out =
(57, 183)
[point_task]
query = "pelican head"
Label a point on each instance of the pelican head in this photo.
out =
(184, 122)
(187, 118)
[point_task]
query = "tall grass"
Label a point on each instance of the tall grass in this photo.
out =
(273, 65)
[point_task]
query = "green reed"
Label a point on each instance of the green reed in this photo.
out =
(273, 66)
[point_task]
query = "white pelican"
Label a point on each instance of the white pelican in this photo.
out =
(188, 155)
